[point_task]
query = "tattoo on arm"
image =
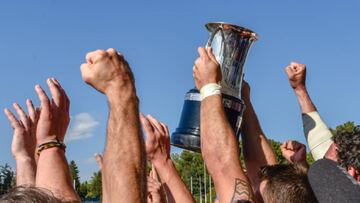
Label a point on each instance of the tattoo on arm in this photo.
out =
(242, 193)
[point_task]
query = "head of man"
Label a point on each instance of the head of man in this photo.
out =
(28, 194)
(285, 183)
(347, 146)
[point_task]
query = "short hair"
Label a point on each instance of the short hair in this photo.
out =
(286, 183)
(29, 194)
(348, 148)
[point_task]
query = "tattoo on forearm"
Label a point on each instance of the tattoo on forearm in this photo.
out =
(242, 192)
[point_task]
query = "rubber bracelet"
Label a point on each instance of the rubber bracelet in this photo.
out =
(209, 90)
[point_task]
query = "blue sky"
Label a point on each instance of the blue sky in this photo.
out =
(40, 39)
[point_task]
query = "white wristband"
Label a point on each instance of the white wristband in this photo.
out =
(209, 90)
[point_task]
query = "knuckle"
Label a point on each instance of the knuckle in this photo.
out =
(111, 51)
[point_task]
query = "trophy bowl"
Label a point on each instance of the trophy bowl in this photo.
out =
(230, 44)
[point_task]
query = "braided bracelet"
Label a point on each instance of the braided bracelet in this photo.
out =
(50, 144)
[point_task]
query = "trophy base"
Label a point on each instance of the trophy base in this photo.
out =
(186, 141)
(187, 135)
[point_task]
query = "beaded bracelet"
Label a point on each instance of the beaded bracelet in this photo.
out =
(50, 144)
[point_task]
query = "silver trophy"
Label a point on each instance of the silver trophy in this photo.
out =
(230, 44)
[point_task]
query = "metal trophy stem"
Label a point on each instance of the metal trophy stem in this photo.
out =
(230, 44)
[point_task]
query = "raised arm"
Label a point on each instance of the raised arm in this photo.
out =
(158, 152)
(316, 132)
(24, 143)
(52, 169)
(257, 149)
(219, 147)
(123, 168)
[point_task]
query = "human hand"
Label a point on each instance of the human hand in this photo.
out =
(206, 69)
(294, 152)
(154, 187)
(158, 140)
(297, 75)
(54, 115)
(99, 160)
(106, 71)
(24, 139)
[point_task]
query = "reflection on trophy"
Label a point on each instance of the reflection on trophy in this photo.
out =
(230, 44)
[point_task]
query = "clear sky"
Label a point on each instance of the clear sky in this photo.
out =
(40, 39)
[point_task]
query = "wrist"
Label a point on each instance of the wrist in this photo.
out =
(47, 139)
(160, 162)
(24, 159)
(165, 170)
(301, 89)
(117, 96)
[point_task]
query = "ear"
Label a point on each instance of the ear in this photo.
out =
(352, 171)
(332, 152)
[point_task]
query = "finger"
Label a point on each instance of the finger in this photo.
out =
(85, 73)
(94, 56)
(289, 70)
(211, 55)
(22, 115)
(148, 128)
(283, 145)
(156, 124)
(290, 145)
(296, 145)
(154, 174)
(202, 53)
(166, 129)
(31, 111)
(64, 96)
(99, 160)
(55, 93)
(13, 121)
(146, 124)
(44, 100)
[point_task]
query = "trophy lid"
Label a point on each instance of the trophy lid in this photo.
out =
(241, 30)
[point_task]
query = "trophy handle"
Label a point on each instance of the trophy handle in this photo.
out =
(209, 42)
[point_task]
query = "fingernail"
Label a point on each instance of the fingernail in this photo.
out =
(55, 81)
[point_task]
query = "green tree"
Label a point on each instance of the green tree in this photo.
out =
(345, 127)
(7, 178)
(75, 175)
(94, 186)
(83, 190)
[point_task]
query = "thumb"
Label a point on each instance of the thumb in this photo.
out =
(209, 51)
(99, 160)
(289, 71)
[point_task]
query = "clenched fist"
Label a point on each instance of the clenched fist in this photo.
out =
(206, 69)
(294, 152)
(106, 71)
(297, 75)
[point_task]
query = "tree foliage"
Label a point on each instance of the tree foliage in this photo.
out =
(75, 175)
(345, 127)
(7, 178)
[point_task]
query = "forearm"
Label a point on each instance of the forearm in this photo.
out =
(257, 149)
(175, 188)
(305, 102)
(53, 174)
(220, 151)
(124, 164)
(317, 134)
(25, 171)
